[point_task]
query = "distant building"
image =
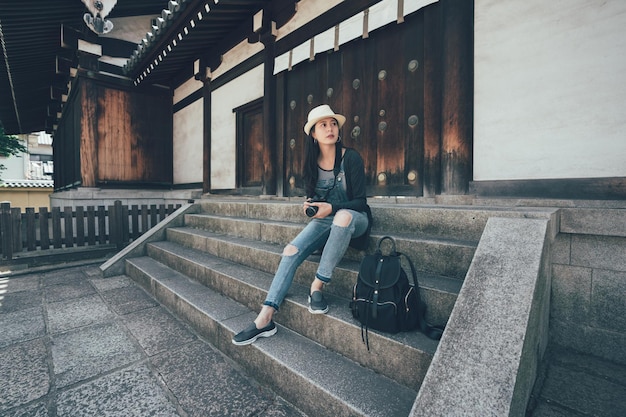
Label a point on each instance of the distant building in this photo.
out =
(27, 179)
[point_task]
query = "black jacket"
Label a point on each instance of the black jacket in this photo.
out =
(356, 190)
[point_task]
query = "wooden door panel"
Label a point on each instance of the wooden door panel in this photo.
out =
(301, 92)
(358, 107)
(413, 118)
(389, 105)
(252, 162)
(382, 97)
(250, 165)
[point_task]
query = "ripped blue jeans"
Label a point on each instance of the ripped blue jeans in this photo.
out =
(317, 233)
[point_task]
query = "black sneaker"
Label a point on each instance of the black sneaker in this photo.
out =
(251, 334)
(317, 303)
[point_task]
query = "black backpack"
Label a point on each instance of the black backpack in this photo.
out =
(384, 300)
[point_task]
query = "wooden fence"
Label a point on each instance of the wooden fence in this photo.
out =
(83, 226)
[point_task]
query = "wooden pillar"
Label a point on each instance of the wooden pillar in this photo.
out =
(457, 92)
(88, 133)
(432, 101)
(268, 38)
(206, 135)
(6, 229)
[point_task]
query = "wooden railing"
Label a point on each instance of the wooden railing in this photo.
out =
(80, 227)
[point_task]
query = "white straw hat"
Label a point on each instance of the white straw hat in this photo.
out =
(319, 113)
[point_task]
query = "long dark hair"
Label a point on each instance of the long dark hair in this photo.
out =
(311, 153)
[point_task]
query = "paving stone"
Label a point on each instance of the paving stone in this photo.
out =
(86, 352)
(15, 301)
(92, 271)
(20, 283)
(21, 325)
(66, 315)
(24, 374)
(128, 392)
(203, 380)
(62, 276)
(128, 299)
(157, 331)
(62, 292)
(31, 410)
(107, 284)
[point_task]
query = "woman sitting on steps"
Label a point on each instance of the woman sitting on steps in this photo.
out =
(335, 187)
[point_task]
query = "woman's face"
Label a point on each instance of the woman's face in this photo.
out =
(326, 131)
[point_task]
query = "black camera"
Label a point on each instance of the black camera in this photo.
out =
(312, 210)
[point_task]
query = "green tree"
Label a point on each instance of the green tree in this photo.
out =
(9, 145)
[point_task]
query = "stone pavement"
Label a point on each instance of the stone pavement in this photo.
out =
(73, 343)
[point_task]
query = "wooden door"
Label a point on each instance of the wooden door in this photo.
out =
(250, 147)
(377, 83)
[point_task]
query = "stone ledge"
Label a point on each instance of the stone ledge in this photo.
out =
(589, 221)
(488, 358)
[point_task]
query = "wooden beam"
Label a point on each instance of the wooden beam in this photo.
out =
(206, 127)
(457, 93)
(325, 21)
(71, 39)
(269, 120)
(117, 47)
(432, 101)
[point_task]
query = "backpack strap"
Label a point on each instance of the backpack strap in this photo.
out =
(432, 332)
(379, 268)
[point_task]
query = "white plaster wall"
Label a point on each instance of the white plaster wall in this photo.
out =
(244, 89)
(188, 144)
(235, 56)
(187, 88)
(550, 89)
(306, 11)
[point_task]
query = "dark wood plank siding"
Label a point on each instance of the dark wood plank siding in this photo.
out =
(431, 122)
(412, 119)
(134, 136)
(457, 114)
(89, 136)
(66, 146)
(110, 134)
(395, 89)
(357, 97)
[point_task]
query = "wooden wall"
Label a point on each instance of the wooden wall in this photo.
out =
(116, 136)
(406, 92)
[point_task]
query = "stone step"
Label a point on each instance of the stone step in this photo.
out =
(337, 330)
(439, 292)
(317, 380)
(453, 222)
(434, 255)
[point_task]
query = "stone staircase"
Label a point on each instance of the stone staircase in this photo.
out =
(213, 269)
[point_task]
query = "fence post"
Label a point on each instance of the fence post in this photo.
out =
(116, 224)
(102, 226)
(6, 227)
(125, 225)
(80, 226)
(57, 239)
(16, 220)
(44, 229)
(68, 217)
(31, 229)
